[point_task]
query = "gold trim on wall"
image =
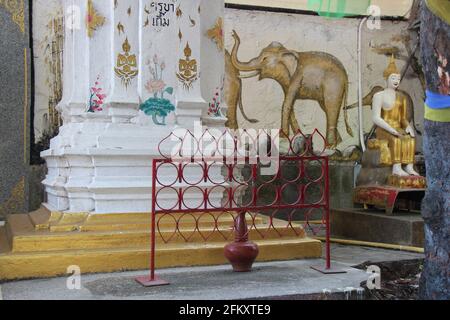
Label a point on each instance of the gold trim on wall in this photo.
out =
(16, 9)
(25, 106)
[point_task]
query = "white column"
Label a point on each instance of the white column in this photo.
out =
(79, 62)
(73, 104)
(123, 103)
(191, 104)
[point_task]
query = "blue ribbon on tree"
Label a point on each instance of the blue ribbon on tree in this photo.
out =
(437, 101)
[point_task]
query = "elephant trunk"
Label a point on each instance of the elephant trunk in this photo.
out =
(242, 66)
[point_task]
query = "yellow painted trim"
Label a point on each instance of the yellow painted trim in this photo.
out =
(374, 244)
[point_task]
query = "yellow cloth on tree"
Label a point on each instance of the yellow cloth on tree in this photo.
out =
(441, 8)
(438, 115)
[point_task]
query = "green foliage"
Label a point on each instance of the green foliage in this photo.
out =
(158, 107)
(169, 90)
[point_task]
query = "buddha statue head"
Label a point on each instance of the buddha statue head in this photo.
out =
(392, 75)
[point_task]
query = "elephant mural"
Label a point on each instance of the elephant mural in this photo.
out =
(314, 76)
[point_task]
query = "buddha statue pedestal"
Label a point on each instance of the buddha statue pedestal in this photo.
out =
(378, 187)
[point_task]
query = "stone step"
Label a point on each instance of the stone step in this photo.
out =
(138, 221)
(42, 241)
(163, 222)
(55, 263)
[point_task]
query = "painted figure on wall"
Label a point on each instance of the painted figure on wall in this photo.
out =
(126, 67)
(157, 106)
(187, 69)
(316, 76)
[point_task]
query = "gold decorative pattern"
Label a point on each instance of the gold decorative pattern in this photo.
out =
(391, 68)
(120, 28)
(192, 22)
(216, 34)
(409, 182)
(93, 19)
(16, 8)
(126, 67)
(179, 12)
(187, 69)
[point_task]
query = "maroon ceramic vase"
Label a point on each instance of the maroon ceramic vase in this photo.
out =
(241, 253)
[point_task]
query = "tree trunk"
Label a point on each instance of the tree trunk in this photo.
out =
(434, 283)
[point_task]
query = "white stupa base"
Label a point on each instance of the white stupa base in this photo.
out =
(116, 175)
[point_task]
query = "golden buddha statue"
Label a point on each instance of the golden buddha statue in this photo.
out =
(395, 136)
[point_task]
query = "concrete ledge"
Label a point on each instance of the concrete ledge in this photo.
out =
(375, 226)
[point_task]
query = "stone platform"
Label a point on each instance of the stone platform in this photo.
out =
(287, 280)
(46, 243)
(375, 226)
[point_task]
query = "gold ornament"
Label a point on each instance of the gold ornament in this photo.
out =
(391, 69)
(93, 19)
(187, 69)
(179, 13)
(126, 67)
(216, 34)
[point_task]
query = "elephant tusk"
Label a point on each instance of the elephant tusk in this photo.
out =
(250, 75)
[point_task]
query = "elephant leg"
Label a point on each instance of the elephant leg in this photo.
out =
(232, 101)
(294, 123)
(332, 105)
(288, 106)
